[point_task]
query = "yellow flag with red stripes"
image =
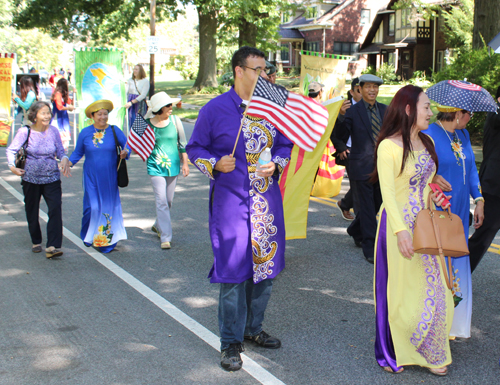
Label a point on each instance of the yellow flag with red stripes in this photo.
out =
(298, 177)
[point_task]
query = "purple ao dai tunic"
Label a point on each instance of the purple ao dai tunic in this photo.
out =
(245, 211)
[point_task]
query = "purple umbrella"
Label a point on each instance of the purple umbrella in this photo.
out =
(462, 94)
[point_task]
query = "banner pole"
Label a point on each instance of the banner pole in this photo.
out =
(244, 113)
(75, 97)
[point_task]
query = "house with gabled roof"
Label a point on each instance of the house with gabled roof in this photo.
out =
(329, 27)
(406, 40)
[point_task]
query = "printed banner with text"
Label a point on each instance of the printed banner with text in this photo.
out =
(325, 70)
(99, 75)
(5, 96)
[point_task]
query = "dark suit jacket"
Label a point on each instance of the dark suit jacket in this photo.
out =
(358, 126)
(489, 173)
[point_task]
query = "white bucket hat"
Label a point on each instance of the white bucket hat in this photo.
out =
(158, 101)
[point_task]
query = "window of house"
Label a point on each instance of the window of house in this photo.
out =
(365, 17)
(342, 48)
(286, 17)
(285, 52)
(392, 22)
(391, 58)
(406, 18)
(440, 61)
(311, 12)
(312, 46)
(440, 23)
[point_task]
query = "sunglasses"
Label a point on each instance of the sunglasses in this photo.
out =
(470, 113)
(169, 105)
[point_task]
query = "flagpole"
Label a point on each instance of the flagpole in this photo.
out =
(244, 113)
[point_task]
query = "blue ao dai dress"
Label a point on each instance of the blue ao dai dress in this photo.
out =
(464, 185)
(102, 222)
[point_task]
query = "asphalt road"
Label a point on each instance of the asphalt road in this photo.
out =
(142, 315)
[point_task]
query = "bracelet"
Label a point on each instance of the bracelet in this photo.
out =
(479, 199)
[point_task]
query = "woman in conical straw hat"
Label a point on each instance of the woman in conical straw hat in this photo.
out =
(102, 222)
(457, 165)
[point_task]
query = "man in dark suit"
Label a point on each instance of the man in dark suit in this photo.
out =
(363, 122)
(342, 149)
(489, 174)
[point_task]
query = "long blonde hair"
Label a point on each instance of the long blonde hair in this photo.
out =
(142, 73)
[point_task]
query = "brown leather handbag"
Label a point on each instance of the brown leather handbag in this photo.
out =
(440, 233)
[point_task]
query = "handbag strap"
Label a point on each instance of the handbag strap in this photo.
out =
(447, 275)
(25, 144)
(118, 147)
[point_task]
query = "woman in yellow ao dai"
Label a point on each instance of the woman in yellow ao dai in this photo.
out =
(414, 308)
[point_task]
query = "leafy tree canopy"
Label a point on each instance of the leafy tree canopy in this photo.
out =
(99, 20)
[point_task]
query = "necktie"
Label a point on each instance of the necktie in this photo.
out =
(375, 122)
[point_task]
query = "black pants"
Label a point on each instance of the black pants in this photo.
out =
(482, 237)
(367, 200)
(52, 194)
(347, 202)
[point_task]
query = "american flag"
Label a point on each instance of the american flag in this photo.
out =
(141, 138)
(299, 118)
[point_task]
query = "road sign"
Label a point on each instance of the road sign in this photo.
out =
(153, 44)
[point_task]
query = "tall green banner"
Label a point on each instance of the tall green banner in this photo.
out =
(99, 75)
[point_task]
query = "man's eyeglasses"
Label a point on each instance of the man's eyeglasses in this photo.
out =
(259, 69)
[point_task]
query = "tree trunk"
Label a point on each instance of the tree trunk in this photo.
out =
(486, 22)
(247, 33)
(207, 72)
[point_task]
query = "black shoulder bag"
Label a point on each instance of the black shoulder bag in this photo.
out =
(22, 153)
(121, 164)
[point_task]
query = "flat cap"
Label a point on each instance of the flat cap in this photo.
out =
(369, 78)
(272, 68)
(315, 87)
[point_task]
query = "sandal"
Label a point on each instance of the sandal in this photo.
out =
(439, 371)
(388, 369)
(36, 249)
(51, 252)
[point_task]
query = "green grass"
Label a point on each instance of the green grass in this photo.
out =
(181, 87)
(385, 96)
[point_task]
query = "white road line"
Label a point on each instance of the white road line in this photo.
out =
(249, 365)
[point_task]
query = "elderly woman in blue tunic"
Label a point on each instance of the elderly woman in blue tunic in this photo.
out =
(458, 166)
(102, 222)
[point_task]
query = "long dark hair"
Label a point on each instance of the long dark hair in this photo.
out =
(398, 122)
(26, 85)
(62, 88)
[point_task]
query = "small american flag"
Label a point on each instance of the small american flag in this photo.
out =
(299, 118)
(141, 138)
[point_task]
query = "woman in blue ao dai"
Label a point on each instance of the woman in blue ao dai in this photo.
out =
(102, 222)
(457, 165)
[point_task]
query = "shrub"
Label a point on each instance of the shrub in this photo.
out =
(369, 70)
(213, 90)
(478, 67)
(227, 79)
(420, 79)
(387, 72)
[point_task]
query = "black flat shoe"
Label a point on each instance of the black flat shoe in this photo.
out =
(230, 358)
(265, 340)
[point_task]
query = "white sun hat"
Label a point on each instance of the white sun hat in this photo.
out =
(157, 102)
